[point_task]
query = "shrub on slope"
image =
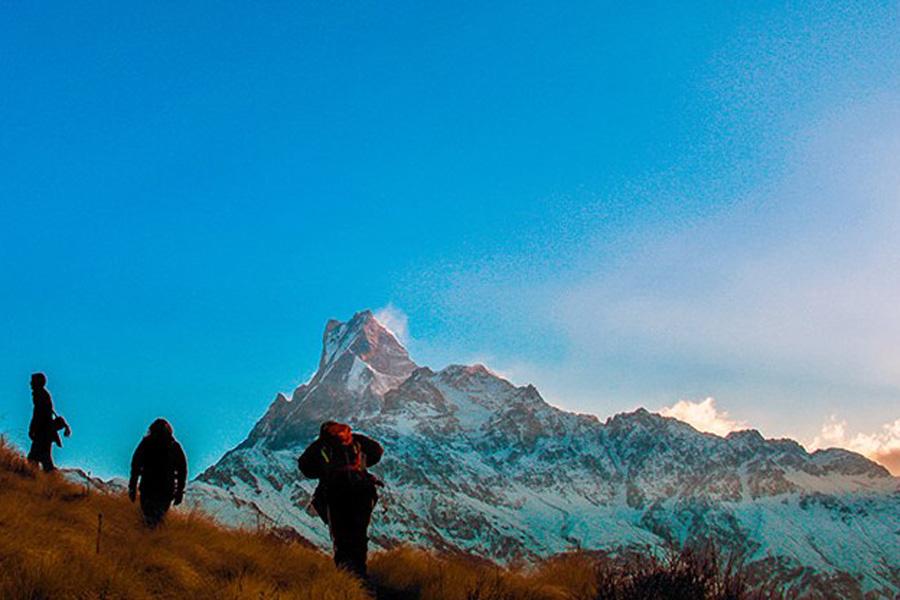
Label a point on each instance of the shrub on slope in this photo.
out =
(411, 574)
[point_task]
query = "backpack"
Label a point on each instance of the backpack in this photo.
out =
(351, 477)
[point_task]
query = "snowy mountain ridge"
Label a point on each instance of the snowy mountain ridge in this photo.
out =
(476, 464)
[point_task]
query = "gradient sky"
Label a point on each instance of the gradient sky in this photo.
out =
(626, 206)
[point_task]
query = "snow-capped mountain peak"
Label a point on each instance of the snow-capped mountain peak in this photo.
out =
(367, 339)
(361, 361)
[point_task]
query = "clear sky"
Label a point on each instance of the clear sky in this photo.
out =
(624, 205)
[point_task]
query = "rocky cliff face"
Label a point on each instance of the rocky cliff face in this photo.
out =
(476, 464)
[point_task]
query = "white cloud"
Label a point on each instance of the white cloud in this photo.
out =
(704, 416)
(882, 446)
(395, 320)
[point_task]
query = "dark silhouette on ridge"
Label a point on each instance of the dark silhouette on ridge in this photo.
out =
(45, 425)
(161, 467)
(347, 492)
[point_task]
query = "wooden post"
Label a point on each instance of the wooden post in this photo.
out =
(99, 530)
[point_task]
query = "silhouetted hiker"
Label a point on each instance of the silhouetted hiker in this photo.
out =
(346, 493)
(160, 465)
(45, 424)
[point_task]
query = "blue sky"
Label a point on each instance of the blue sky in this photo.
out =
(625, 206)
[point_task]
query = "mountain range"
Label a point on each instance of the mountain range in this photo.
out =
(477, 465)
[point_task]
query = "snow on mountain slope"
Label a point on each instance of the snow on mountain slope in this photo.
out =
(476, 464)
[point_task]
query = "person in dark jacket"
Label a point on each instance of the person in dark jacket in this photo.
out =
(45, 424)
(346, 493)
(158, 471)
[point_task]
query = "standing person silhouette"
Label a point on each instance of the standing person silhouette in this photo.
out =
(346, 493)
(160, 466)
(45, 425)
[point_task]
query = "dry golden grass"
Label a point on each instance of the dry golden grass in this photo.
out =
(48, 535)
(48, 550)
(412, 573)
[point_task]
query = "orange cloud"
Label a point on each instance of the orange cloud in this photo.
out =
(890, 460)
(703, 416)
(882, 446)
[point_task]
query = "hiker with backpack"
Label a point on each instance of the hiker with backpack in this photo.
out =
(45, 425)
(158, 471)
(347, 492)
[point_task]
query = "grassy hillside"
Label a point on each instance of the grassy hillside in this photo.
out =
(49, 549)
